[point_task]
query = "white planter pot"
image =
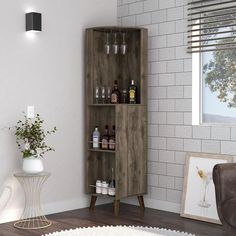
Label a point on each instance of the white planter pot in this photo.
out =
(32, 165)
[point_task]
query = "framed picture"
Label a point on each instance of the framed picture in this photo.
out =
(198, 201)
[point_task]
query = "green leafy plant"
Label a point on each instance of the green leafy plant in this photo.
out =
(30, 137)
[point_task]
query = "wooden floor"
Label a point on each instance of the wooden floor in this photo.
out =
(129, 215)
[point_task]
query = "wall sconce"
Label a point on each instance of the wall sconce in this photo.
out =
(33, 21)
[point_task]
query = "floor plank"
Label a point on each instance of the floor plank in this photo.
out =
(129, 215)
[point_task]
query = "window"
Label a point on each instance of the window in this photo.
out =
(212, 40)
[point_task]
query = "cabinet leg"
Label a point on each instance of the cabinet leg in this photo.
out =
(116, 207)
(92, 202)
(141, 202)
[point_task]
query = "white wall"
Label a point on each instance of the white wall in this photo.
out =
(47, 72)
(171, 134)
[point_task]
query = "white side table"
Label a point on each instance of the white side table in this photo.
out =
(32, 217)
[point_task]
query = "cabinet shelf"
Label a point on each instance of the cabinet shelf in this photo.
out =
(113, 105)
(94, 186)
(102, 105)
(103, 195)
(101, 150)
(100, 194)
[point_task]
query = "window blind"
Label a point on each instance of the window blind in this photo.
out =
(211, 25)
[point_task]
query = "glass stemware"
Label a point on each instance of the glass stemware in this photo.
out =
(108, 94)
(123, 46)
(107, 46)
(115, 45)
(96, 95)
(103, 93)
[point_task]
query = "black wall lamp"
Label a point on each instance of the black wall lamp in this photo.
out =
(33, 21)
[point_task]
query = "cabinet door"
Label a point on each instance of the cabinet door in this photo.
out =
(131, 150)
(137, 149)
(121, 151)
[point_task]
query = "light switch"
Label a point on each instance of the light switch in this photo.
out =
(30, 112)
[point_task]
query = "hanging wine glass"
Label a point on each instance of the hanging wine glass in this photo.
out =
(123, 46)
(115, 45)
(107, 45)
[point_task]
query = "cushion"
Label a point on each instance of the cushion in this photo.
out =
(229, 211)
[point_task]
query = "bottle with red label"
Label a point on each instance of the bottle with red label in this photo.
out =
(115, 95)
(112, 139)
(105, 138)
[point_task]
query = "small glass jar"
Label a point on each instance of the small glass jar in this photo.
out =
(98, 186)
(104, 188)
(124, 96)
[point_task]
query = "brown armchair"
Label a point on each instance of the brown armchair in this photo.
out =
(224, 177)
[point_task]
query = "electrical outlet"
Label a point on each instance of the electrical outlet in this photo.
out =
(30, 112)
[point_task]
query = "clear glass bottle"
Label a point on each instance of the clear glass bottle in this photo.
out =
(98, 186)
(105, 187)
(111, 190)
(96, 138)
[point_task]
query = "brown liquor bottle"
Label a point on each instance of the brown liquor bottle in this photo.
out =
(112, 139)
(105, 138)
(132, 93)
(115, 95)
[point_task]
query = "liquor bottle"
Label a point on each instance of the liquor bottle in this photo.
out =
(96, 138)
(98, 186)
(112, 139)
(105, 138)
(132, 93)
(112, 185)
(115, 95)
(105, 187)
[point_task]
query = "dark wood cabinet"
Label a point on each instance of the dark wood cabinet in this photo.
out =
(129, 160)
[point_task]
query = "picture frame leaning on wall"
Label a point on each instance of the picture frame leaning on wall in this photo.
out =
(198, 199)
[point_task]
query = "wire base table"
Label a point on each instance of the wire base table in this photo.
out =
(32, 217)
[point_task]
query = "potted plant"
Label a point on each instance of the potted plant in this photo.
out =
(30, 139)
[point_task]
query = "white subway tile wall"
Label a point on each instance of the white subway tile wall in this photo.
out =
(170, 132)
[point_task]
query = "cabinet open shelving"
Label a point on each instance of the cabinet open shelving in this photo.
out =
(102, 105)
(103, 195)
(129, 159)
(100, 194)
(101, 150)
(112, 105)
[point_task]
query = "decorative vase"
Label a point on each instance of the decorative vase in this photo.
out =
(32, 165)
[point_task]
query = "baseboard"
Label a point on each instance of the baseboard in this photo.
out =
(56, 207)
(9, 215)
(61, 206)
(155, 204)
